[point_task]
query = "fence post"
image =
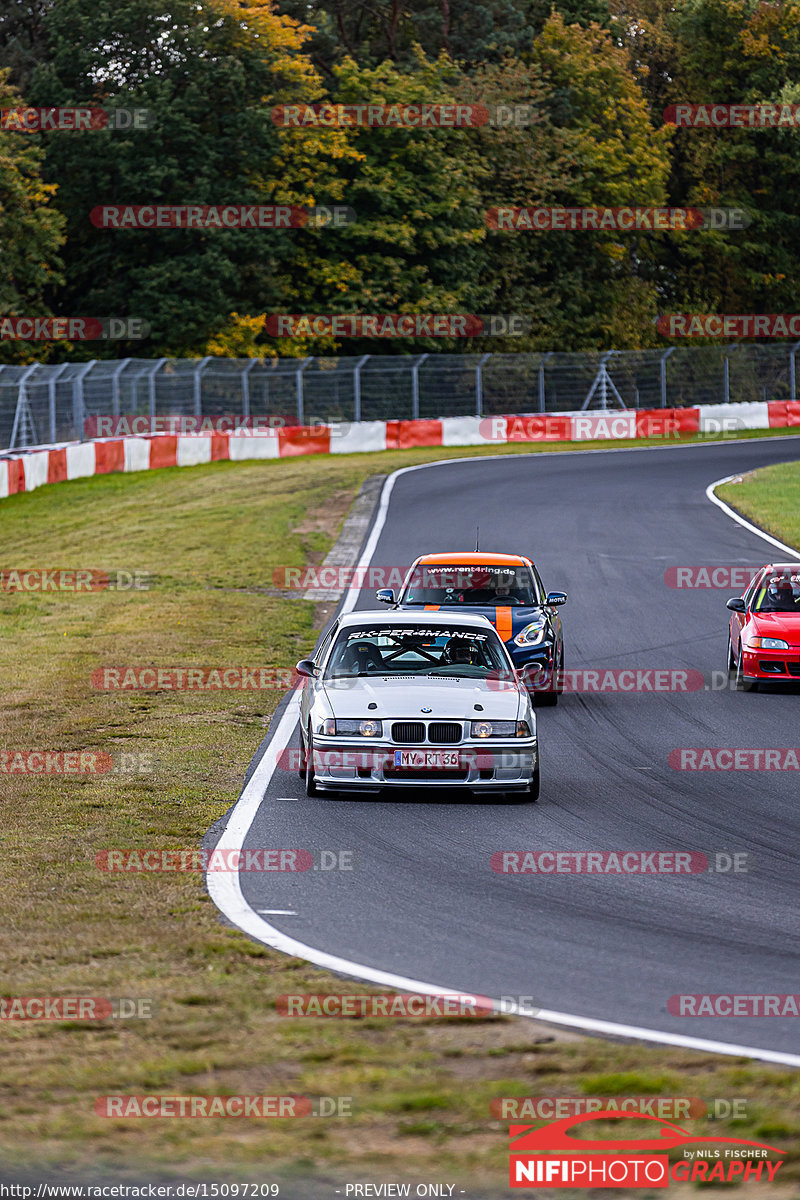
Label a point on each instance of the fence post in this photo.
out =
(726, 375)
(357, 387)
(151, 391)
(299, 387)
(662, 366)
(198, 397)
(415, 366)
(51, 396)
(78, 403)
(22, 415)
(115, 385)
(246, 387)
(542, 365)
(792, 375)
(479, 385)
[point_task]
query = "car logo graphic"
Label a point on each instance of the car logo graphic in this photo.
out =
(555, 1136)
(426, 710)
(551, 1157)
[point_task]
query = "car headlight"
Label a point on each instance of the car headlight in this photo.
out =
(487, 729)
(361, 728)
(532, 634)
(765, 643)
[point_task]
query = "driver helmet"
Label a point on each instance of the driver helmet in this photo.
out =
(459, 650)
(780, 590)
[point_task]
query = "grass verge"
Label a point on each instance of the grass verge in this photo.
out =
(770, 498)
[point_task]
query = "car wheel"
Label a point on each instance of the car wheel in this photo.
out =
(310, 781)
(301, 766)
(731, 661)
(533, 790)
(560, 676)
(547, 699)
(742, 684)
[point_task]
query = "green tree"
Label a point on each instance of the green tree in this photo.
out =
(481, 32)
(209, 73)
(31, 232)
(596, 147)
(726, 51)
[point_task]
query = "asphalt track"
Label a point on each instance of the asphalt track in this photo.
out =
(422, 902)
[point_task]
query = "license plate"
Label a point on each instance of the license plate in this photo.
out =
(443, 759)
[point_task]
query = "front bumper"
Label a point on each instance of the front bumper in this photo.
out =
(504, 767)
(536, 665)
(782, 666)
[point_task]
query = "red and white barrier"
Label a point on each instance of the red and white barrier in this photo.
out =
(26, 470)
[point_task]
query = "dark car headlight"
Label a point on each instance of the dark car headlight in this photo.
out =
(533, 634)
(487, 729)
(365, 727)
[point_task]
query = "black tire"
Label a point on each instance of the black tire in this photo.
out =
(742, 684)
(301, 768)
(310, 781)
(533, 790)
(731, 662)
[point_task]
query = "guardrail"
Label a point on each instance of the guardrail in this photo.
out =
(24, 470)
(43, 404)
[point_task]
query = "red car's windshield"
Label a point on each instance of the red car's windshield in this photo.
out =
(779, 592)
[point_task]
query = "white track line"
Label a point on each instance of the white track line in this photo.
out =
(734, 516)
(225, 888)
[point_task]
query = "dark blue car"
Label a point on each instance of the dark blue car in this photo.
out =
(507, 589)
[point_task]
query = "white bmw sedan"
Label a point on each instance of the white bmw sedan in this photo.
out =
(421, 699)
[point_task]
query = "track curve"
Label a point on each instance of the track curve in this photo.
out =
(423, 903)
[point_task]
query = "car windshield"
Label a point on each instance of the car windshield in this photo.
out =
(469, 586)
(779, 592)
(416, 650)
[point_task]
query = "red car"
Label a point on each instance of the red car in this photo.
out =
(764, 633)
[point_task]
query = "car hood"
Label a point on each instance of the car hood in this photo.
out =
(405, 696)
(779, 625)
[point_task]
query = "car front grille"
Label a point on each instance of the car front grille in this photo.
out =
(444, 732)
(793, 668)
(438, 733)
(408, 731)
